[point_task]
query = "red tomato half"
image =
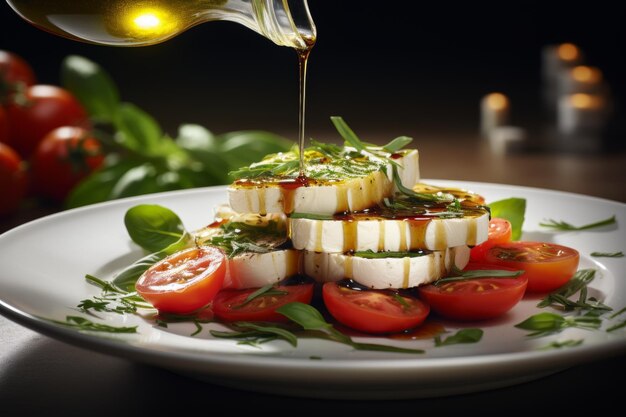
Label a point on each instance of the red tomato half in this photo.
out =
(475, 299)
(500, 231)
(47, 107)
(373, 311)
(185, 281)
(63, 158)
(548, 266)
(230, 305)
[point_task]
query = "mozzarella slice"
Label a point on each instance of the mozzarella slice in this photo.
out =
(380, 235)
(384, 273)
(328, 197)
(254, 270)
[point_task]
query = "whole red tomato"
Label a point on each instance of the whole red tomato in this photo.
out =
(13, 71)
(43, 109)
(64, 157)
(12, 180)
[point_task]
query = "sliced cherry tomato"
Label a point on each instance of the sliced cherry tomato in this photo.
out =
(230, 305)
(45, 108)
(64, 157)
(475, 299)
(548, 266)
(373, 311)
(500, 231)
(185, 281)
(12, 180)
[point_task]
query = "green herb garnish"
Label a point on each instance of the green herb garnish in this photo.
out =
(565, 227)
(607, 254)
(311, 216)
(543, 324)
(462, 336)
(255, 333)
(261, 292)
(560, 298)
(83, 324)
(458, 275)
(561, 344)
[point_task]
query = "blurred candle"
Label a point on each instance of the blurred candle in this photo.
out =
(494, 112)
(581, 79)
(582, 112)
(556, 58)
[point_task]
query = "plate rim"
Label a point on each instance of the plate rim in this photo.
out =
(142, 353)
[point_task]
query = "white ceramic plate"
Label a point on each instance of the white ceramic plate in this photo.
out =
(44, 263)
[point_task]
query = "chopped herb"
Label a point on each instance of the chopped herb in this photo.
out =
(543, 324)
(311, 216)
(458, 275)
(397, 144)
(256, 333)
(564, 226)
(83, 324)
(400, 299)
(561, 344)
(560, 298)
(607, 254)
(462, 336)
(617, 313)
(263, 291)
(617, 326)
(435, 197)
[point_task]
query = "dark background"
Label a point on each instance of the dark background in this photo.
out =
(396, 67)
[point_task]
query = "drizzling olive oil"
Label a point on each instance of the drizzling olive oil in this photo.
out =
(147, 22)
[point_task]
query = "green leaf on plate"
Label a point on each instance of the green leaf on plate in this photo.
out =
(512, 209)
(153, 227)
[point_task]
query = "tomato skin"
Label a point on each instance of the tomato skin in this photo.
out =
(262, 308)
(372, 311)
(47, 107)
(500, 231)
(464, 301)
(13, 181)
(14, 69)
(548, 266)
(185, 281)
(64, 157)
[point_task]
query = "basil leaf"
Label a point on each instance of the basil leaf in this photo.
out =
(141, 179)
(462, 336)
(139, 131)
(153, 227)
(100, 184)
(513, 210)
(397, 144)
(306, 316)
(239, 149)
(542, 322)
(92, 86)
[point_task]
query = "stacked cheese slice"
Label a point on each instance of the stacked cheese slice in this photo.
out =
(359, 228)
